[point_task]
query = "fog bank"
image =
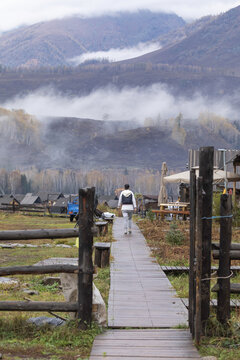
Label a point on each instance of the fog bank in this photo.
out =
(116, 54)
(111, 103)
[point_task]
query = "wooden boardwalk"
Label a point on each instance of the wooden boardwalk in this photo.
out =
(141, 296)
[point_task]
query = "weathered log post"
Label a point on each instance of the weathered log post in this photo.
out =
(102, 254)
(223, 309)
(85, 264)
(206, 172)
(192, 273)
(199, 227)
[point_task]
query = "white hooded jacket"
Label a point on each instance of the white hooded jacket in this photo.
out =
(127, 193)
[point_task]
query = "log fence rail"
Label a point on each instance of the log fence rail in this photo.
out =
(84, 269)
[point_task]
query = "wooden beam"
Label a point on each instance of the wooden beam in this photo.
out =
(223, 309)
(234, 254)
(173, 211)
(37, 234)
(43, 269)
(21, 209)
(206, 172)
(234, 184)
(192, 273)
(37, 306)
(85, 264)
(234, 288)
(233, 246)
(199, 228)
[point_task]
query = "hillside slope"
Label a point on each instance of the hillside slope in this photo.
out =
(63, 143)
(54, 42)
(215, 45)
(185, 31)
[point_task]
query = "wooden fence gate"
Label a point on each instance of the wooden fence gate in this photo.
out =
(84, 269)
(201, 198)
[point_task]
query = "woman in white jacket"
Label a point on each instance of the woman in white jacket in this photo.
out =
(128, 203)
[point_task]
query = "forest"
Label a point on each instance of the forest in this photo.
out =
(35, 172)
(69, 181)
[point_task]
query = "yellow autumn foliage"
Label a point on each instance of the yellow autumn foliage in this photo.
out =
(219, 125)
(19, 126)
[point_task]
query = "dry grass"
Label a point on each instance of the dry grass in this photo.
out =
(166, 254)
(155, 233)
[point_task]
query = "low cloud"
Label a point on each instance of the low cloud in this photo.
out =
(111, 103)
(14, 13)
(117, 54)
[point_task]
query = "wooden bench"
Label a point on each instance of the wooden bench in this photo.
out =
(102, 227)
(161, 213)
(102, 254)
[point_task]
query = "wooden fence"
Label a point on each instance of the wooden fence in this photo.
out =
(84, 269)
(201, 246)
(35, 208)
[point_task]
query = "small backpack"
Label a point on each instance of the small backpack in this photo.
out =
(127, 200)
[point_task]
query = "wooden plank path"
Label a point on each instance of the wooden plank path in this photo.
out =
(167, 344)
(141, 296)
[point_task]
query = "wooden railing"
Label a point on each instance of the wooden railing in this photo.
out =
(83, 306)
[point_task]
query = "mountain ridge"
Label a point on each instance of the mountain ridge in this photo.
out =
(54, 42)
(215, 45)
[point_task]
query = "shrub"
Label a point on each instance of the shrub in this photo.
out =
(150, 215)
(174, 236)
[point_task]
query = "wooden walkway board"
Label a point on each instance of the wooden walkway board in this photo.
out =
(185, 269)
(141, 297)
(144, 344)
(140, 293)
(234, 303)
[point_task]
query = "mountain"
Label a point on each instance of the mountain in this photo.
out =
(216, 45)
(54, 42)
(206, 61)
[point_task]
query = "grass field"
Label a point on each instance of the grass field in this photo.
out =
(21, 340)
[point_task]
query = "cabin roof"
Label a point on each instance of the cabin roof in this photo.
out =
(30, 199)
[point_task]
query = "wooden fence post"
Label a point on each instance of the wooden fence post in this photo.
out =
(192, 274)
(85, 264)
(223, 309)
(206, 172)
(199, 227)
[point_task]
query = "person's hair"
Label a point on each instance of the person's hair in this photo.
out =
(126, 186)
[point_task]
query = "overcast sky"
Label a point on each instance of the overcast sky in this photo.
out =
(14, 12)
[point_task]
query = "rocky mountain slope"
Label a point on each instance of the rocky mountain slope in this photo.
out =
(54, 42)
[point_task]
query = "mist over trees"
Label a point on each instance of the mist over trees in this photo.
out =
(34, 172)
